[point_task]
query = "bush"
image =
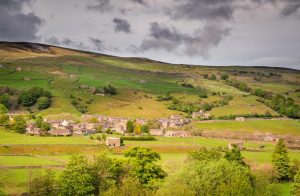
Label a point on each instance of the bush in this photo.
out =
(139, 138)
(110, 90)
(215, 178)
(43, 103)
(3, 109)
(224, 76)
(29, 98)
(4, 99)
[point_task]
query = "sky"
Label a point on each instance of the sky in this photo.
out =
(200, 32)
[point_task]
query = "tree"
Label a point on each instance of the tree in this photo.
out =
(4, 99)
(130, 187)
(213, 77)
(38, 121)
(45, 126)
(295, 190)
(281, 161)
(145, 128)
(215, 178)
(203, 154)
(103, 137)
(137, 129)
(234, 155)
(77, 178)
(44, 185)
(129, 126)
(94, 120)
(19, 124)
(144, 167)
(109, 90)
(224, 76)
(43, 103)
(3, 109)
(3, 119)
(26, 99)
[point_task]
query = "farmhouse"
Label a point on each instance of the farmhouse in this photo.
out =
(157, 132)
(84, 132)
(178, 133)
(239, 144)
(200, 114)
(141, 121)
(173, 121)
(117, 124)
(34, 131)
(60, 132)
(113, 142)
(240, 119)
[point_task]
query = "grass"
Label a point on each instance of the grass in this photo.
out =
(25, 161)
(10, 137)
(242, 105)
(262, 126)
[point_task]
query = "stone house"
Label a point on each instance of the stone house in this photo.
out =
(113, 142)
(240, 119)
(239, 144)
(200, 114)
(177, 133)
(116, 124)
(84, 132)
(157, 132)
(141, 121)
(32, 130)
(60, 132)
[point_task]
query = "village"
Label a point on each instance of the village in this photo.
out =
(172, 126)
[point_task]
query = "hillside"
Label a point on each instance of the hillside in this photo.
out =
(72, 74)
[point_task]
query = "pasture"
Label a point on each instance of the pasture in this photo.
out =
(263, 126)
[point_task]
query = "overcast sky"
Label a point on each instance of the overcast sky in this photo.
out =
(204, 32)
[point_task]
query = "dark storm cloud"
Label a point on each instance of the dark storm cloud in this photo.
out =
(100, 5)
(15, 25)
(292, 7)
(202, 10)
(289, 7)
(98, 44)
(142, 2)
(66, 42)
(93, 44)
(121, 25)
(169, 39)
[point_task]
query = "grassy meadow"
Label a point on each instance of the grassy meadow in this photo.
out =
(274, 126)
(71, 75)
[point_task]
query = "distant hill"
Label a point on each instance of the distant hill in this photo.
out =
(142, 84)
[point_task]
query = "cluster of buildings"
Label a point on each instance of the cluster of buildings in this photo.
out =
(63, 128)
(170, 127)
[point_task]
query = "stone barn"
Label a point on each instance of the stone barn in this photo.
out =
(113, 142)
(239, 144)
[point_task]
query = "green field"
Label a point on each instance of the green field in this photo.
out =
(262, 126)
(10, 137)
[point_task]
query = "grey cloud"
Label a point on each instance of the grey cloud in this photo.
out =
(121, 25)
(98, 44)
(292, 7)
(199, 44)
(100, 5)
(203, 10)
(15, 25)
(66, 42)
(93, 44)
(142, 2)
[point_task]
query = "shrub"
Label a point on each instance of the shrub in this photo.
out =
(110, 90)
(43, 103)
(139, 138)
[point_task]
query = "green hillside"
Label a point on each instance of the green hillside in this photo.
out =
(70, 73)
